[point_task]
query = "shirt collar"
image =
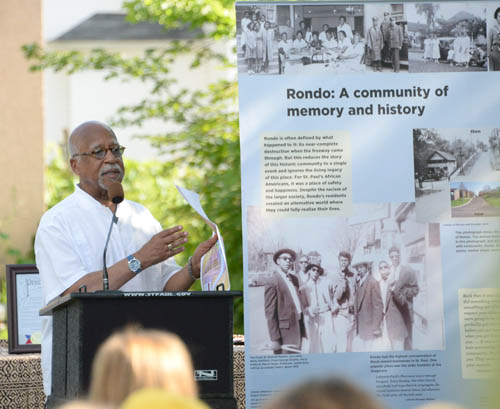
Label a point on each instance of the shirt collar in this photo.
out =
(87, 200)
(361, 281)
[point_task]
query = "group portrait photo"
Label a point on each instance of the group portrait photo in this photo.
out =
(365, 283)
(326, 38)
(447, 37)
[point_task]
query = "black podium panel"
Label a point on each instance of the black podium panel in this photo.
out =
(204, 321)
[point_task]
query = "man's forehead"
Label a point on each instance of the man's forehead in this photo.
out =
(94, 135)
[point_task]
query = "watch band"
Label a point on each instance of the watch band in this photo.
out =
(134, 264)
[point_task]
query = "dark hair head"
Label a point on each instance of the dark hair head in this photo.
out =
(301, 33)
(394, 248)
(282, 251)
(345, 254)
(320, 269)
(343, 32)
(343, 18)
(496, 13)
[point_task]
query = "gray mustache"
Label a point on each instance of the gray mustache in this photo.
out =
(108, 168)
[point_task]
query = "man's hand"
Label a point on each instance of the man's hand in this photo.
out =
(200, 251)
(162, 245)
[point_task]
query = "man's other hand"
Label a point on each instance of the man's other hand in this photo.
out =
(161, 246)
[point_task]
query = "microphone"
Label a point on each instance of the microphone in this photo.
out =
(115, 195)
(115, 192)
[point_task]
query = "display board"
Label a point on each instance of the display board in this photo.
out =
(370, 163)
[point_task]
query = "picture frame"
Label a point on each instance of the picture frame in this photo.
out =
(24, 300)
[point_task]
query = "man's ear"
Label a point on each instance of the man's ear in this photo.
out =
(74, 166)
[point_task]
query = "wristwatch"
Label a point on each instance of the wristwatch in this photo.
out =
(134, 264)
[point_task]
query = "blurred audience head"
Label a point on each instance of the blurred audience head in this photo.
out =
(134, 358)
(329, 393)
(153, 398)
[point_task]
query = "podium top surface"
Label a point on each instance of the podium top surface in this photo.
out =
(60, 301)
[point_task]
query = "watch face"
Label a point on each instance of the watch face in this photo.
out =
(135, 265)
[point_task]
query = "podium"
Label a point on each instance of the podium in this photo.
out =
(202, 319)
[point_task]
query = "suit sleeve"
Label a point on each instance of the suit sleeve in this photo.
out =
(271, 311)
(407, 288)
(378, 306)
(339, 289)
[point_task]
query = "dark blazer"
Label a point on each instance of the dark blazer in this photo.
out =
(396, 37)
(405, 289)
(396, 324)
(369, 309)
(281, 314)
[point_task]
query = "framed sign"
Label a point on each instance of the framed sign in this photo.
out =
(24, 300)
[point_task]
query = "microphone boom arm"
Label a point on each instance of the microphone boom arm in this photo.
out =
(105, 280)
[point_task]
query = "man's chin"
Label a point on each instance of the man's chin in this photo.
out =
(106, 180)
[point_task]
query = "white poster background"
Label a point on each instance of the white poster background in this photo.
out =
(383, 180)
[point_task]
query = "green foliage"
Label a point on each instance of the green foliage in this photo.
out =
(461, 201)
(214, 17)
(203, 152)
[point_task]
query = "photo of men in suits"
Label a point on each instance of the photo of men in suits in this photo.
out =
(395, 43)
(365, 283)
(404, 289)
(395, 330)
(282, 306)
(343, 303)
(317, 302)
(368, 309)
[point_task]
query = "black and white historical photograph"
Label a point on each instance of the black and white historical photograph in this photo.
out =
(370, 282)
(493, 37)
(386, 37)
(445, 156)
(296, 39)
(447, 36)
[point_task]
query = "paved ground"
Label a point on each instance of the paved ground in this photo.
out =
(481, 170)
(418, 64)
(433, 207)
(259, 335)
(476, 207)
(433, 201)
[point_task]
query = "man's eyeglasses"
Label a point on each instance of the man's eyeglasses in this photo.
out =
(100, 153)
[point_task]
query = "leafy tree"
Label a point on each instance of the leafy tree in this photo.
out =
(429, 10)
(204, 149)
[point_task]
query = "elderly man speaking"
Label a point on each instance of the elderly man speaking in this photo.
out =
(71, 236)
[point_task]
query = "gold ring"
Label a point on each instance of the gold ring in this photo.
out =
(169, 246)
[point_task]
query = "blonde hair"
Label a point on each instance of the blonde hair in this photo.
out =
(134, 358)
(330, 393)
(152, 398)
